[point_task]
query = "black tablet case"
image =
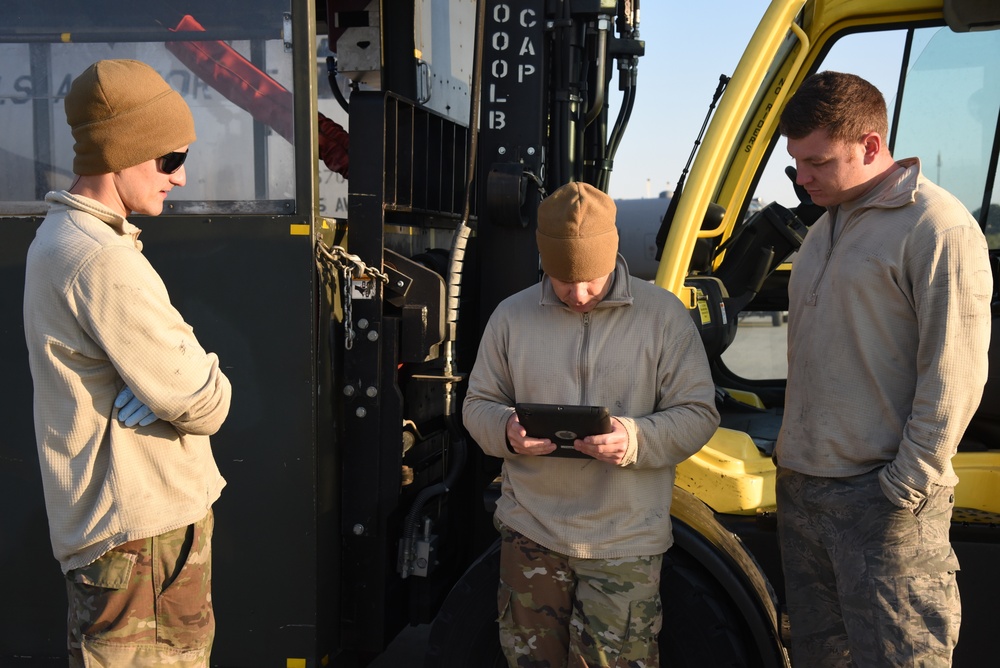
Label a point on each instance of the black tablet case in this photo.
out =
(562, 424)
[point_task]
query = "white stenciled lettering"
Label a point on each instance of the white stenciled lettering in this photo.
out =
(501, 13)
(524, 71)
(499, 69)
(498, 120)
(527, 48)
(501, 41)
(528, 18)
(493, 94)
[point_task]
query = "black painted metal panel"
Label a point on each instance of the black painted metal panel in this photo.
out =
(247, 288)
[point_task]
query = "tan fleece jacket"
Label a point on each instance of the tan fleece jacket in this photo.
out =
(97, 317)
(888, 332)
(639, 354)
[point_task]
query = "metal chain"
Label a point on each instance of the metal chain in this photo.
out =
(347, 285)
(337, 259)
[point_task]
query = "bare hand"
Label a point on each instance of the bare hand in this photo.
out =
(610, 448)
(524, 444)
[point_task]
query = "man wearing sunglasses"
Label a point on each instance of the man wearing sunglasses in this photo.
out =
(125, 398)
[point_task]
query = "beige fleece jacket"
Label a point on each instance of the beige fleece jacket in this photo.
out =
(98, 317)
(639, 354)
(888, 332)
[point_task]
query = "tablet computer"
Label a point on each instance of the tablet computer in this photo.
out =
(563, 424)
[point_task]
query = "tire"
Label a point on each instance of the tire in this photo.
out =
(464, 633)
(701, 627)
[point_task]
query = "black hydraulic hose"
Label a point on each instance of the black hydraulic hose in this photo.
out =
(629, 80)
(624, 114)
(621, 122)
(600, 83)
(562, 120)
(331, 76)
(578, 126)
(668, 217)
(423, 497)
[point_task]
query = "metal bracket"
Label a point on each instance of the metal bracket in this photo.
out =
(286, 31)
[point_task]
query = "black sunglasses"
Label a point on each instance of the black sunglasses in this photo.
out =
(172, 161)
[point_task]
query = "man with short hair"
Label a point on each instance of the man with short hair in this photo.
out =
(888, 331)
(125, 397)
(583, 538)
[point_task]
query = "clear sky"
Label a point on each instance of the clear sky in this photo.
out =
(688, 45)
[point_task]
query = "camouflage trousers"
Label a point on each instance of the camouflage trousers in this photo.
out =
(557, 611)
(145, 603)
(868, 584)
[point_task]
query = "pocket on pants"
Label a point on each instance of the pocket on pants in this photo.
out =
(98, 654)
(915, 595)
(503, 603)
(112, 570)
(505, 622)
(640, 644)
(182, 571)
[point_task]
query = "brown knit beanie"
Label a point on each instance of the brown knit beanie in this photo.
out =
(577, 238)
(122, 114)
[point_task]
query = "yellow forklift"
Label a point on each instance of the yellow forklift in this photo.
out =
(361, 195)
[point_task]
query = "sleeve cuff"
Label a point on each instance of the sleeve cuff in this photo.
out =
(898, 492)
(632, 452)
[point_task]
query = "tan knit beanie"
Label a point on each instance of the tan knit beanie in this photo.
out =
(122, 114)
(577, 238)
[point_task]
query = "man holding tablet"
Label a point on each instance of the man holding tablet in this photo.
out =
(583, 538)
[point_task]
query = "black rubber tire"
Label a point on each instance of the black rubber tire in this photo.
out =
(701, 627)
(464, 633)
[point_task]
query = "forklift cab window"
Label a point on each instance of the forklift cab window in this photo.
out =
(237, 82)
(942, 91)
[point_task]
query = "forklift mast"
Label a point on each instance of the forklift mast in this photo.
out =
(329, 247)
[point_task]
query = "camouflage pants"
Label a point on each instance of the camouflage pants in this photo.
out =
(145, 603)
(558, 611)
(868, 583)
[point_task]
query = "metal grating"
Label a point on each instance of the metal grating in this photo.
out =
(426, 165)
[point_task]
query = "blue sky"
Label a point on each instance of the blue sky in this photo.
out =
(688, 45)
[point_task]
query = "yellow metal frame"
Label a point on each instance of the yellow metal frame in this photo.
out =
(709, 165)
(730, 474)
(723, 170)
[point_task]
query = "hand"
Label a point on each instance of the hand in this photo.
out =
(131, 411)
(523, 444)
(610, 448)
